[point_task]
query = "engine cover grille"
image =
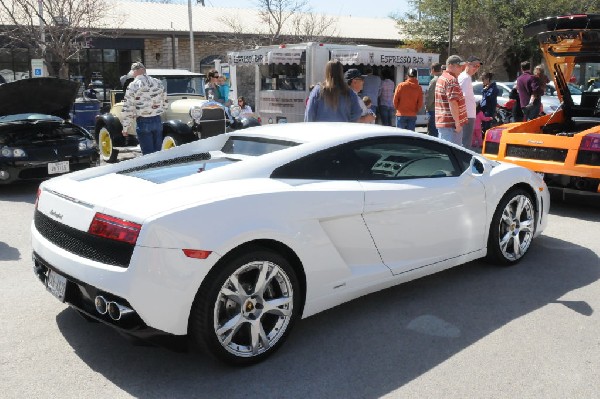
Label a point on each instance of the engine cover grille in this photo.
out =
(83, 244)
(541, 153)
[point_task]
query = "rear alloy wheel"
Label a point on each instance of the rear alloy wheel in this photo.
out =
(105, 144)
(171, 140)
(247, 309)
(512, 228)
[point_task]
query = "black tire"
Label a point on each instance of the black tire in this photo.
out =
(108, 152)
(231, 302)
(512, 228)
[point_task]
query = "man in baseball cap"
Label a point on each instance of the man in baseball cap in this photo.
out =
(450, 111)
(355, 80)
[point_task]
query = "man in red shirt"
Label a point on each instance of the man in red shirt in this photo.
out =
(450, 109)
(408, 100)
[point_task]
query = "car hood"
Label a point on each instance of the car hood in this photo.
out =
(51, 96)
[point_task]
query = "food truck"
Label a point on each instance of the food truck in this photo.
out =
(285, 73)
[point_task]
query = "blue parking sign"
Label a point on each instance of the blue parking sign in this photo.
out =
(37, 72)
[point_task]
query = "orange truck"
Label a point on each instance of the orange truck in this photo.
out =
(564, 146)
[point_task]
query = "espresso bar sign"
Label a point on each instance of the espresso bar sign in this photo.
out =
(384, 58)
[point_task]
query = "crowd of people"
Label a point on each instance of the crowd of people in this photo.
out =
(453, 112)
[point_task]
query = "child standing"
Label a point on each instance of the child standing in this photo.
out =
(479, 117)
(368, 102)
(224, 90)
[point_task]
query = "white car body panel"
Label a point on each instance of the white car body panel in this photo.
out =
(345, 233)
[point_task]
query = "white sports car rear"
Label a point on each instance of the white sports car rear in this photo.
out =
(228, 241)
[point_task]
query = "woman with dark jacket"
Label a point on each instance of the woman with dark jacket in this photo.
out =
(489, 99)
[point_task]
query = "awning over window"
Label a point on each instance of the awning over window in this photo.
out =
(384, 58)
(285, 56)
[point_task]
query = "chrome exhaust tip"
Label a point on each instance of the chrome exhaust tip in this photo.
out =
(101, 304)
(117, 311)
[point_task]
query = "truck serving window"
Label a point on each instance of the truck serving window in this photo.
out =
(282, 77)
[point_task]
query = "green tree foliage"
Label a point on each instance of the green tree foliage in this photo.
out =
(491, 29)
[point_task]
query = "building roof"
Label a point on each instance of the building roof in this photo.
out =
(160, 17)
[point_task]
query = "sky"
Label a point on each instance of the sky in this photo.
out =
(357, 8)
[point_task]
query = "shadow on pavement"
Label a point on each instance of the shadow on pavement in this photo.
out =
(363, 349)
(19, 192)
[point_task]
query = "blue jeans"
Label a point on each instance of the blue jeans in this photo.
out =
(431, 129)
(450, 134)
(387, 115)
(149, 134)
(467, 133)
(406, 122)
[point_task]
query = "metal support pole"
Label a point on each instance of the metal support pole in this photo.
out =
(191, 36)
(451, 27)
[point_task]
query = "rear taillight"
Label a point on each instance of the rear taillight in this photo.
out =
(591, 142)
(494, 135)
(114, 228)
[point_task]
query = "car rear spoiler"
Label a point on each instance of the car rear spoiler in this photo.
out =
(566, 22)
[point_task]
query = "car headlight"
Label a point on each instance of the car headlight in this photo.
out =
(9, 152)
(196, 113)
(86, 144)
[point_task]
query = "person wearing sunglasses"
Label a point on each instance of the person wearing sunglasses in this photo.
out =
(212, 86)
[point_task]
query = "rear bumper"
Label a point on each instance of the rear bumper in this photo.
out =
(80, 296)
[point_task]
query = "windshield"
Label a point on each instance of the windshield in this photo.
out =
(254, 146)
(183, 84)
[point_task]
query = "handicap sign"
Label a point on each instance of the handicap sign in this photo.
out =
(37, 67)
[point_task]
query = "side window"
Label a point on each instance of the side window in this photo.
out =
(463, 157)
(337, 163)
(384, 158)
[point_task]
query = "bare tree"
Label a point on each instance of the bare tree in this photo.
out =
(276, 13)
(55, 30)
(286, 20)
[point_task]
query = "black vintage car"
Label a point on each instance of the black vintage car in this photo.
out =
(37, 140)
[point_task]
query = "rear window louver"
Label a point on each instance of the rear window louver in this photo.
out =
(203, 156)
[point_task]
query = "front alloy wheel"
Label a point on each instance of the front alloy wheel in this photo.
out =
(249, 310)
(512, 229)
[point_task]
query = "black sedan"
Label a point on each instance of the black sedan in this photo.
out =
(36, 139)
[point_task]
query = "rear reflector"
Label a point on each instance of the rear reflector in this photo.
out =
(196, 253)
(591, 142)
(114, 228)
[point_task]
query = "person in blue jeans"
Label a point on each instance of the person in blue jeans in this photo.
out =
(145, 100)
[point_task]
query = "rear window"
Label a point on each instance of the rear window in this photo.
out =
(166, 173)
(254, 146)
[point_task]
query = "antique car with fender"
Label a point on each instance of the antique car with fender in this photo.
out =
(190, 115)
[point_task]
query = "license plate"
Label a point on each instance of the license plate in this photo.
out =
(58, 167)
(57, 285)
